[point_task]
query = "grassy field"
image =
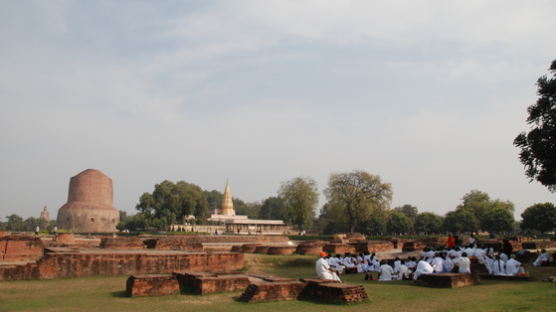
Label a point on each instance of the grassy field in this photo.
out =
(107, 294)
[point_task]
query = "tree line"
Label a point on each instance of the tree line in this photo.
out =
(356, 201)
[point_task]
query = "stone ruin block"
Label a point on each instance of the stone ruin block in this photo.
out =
(64, 238)
(313, 247)
(272, 291)
(447, 280)
(505, 277)
(21, 248)
(281, 250)
(126, 243)
(262, 249)
(408, 246)
(176, 243)
(338, 248)
(204, 283)
(236, 248)
(152, 285)
(331, 291)
(249, 248)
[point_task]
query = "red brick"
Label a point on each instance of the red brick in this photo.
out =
(152, 285)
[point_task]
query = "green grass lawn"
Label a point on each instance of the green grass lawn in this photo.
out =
(101, 294)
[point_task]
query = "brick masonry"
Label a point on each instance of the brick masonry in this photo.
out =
(447, 280)
(281, 250)
(20, 248)
(204, 283)
(152, 285)
(60, 265)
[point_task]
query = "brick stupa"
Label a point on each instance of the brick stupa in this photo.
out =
(90, 204)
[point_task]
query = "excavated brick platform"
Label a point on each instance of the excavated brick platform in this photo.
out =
(335, 248)
(505, 277)
(408, 246)
(249, 248)
(331, 291)
(272, 291)
(106, 262)
(20, 248)
(127, 243)
(281, 250)
(262, 249)
(152, 285)
(204, 282)
(372, 246)
(447, 280)
(176, 243)
(313, 247)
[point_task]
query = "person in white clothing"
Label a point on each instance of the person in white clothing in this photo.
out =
(386, 272)
(404, 272)
(423, 267)
(513, 267)
(323, 268)
(438, 264)
(543, 259)
(464, 264)
(397, 264)
(498, 266)
(448, 264)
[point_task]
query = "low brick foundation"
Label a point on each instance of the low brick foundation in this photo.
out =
(204, 283)
(249, 248)
(64, 238)
(177, 243)
(20, 248)
(408, 246)
(262, 249)
(272, 291)
(152, 285)
(59, 265)
(128, 243)
(330, 291)
(308, 250)
(505, 277)
(338, 248)
(281, 250)
(447, 280)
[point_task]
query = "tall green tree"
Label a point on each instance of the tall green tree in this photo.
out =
(14, 223)
(539, 217)
(538, 146)
(460, 220)
(484, 208)
(428, 222)
(273, 208)
(359, 195)
(300, 196)
(498, 219)
(170, 202)
(409, 211)
(399, 223)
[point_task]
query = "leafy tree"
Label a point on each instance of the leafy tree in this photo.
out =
(171, 202)
(538, 146)
(14, 223)
(461, 220)
(428, 222)
(273, 208)
(374, 225)
(481, 205)
(539, 217)
(300, 196)
(31, 223)
(409, 211)
(214, 199)
(359, 195)
(498, 219)
(399, 223)
(252, 210)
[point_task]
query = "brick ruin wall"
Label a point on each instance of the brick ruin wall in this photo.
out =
(60, 265)
(20, 248)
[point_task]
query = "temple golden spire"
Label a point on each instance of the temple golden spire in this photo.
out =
(227, 207)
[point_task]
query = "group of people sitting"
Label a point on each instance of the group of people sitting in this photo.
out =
(441, 260)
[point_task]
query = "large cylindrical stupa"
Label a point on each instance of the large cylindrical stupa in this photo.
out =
(90, 204)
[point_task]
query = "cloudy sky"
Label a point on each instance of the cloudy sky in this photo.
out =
(427, 94)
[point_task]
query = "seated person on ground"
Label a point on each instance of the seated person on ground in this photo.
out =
(423, 267)
(513, 267)
(386, 271)
(464, 264)
(323, 268)
(543, 259)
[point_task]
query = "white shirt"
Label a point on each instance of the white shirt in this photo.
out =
(464, 265)
(512, 267)
(423, 267)
(323, 269)
(448, 265)
(438, 264)
(498, 267)
(386, 272)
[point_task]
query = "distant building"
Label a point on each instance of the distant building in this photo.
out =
(236, 224)
(45, 216)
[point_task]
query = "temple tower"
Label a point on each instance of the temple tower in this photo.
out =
(45, 216)
(90, 204)
(227, 207)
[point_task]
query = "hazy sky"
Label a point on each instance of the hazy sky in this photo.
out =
(427, 94)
